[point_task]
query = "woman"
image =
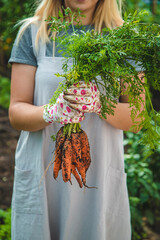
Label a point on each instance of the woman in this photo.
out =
(56, 210)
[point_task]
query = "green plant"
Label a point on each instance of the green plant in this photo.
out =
(143, 182)
(132, 5)
(5, 224)
(4, 92)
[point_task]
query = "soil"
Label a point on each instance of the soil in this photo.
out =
(8, 142)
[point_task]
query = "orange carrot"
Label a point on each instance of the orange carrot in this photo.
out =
(75, 173)
(77, 159)
(72, 155)
(58, 152)
(76, 148)
(85, 154)
(85, 150)
(66, 160)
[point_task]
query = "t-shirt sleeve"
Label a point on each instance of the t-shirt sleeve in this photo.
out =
(22, 51)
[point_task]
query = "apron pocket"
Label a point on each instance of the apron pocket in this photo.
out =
(116, 192)
(117, 214)
(27, 196)
(27, 227)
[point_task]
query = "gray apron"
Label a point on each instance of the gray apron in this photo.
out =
(54, 210)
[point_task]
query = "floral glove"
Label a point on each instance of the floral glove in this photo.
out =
(61, 112)
(84, 97)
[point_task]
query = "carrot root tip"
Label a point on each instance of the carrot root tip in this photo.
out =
(89, 187)
(70, 181)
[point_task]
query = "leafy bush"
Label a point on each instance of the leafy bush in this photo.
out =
(4, 92)
(143, 183)
(132, 5)
(11, 12)
(5, 224)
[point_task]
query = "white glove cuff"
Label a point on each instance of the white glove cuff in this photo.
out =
(48, 114)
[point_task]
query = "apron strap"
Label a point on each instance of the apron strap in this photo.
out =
(40, 51)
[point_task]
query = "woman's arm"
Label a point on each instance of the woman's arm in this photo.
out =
(23, 114)
(122, 113)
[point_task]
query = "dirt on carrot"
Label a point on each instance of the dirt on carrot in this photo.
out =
(60, 139)
(66, 160)
(85, 150)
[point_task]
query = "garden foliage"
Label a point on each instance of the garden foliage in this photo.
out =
(143, 183)
(5, 224)
(4, 92)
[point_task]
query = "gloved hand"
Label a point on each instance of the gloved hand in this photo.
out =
(84, 97)
(61, 112)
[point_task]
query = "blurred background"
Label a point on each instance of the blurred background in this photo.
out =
(143, 172)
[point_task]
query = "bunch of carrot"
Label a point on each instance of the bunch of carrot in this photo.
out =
(72, 156)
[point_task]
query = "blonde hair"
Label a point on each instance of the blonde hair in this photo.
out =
(107, 14)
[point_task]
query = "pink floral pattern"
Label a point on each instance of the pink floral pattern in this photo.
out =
(61, 112)
(68, 109)
(84, 107)
(84, 97)
(83, 92)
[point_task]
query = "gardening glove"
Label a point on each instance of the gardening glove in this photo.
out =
(84, 97)
(61, 112)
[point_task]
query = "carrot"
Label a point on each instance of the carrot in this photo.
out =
(85, 150)
(57, 166)
(72, 155)
(66, 160)
(76, 155)
(82, 172)
(76, 175)
(60, 138)
(76, 147)
(85, 154)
